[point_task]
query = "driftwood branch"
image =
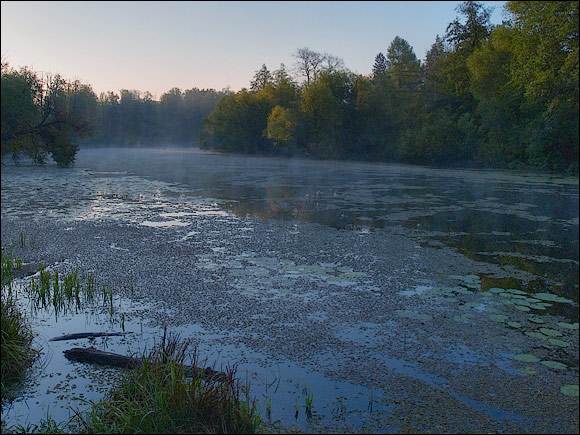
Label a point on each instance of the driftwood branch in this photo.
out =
(87, 335)
(94, 356)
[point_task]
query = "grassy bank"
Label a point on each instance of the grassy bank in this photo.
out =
(159, 396)
(17, 353)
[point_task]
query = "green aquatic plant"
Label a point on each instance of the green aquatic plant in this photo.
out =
(566, 325)
(569, 390)
(16, 335)
(550, 332)
(308, 403)
(557, 342)
(554, 365)
(528, 370)
(535, 319)
(552, 298)
(160, 397)
(526, 357)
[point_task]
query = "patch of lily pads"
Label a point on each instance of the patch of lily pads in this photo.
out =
(569, 390)
(469, 281)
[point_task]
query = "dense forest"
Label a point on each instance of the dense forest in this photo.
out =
(503, 96)
(496, 96)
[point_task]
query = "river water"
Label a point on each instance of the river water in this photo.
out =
(399, 297)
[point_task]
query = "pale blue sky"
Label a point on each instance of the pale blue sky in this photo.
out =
(159, 45)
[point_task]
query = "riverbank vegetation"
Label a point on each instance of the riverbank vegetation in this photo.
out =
(160, 395)
(16, 335)
(501, 96)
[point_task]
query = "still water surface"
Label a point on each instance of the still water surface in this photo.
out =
(526, 221)
(332, 309)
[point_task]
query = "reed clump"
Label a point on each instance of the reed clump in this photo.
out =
(160, 397)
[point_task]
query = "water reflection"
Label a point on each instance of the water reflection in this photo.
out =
(526, 221)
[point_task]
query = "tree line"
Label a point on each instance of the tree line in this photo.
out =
(499, 96)
(48, 116)
(496, 96)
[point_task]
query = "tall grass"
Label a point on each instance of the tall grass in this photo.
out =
(65, 292)
(159, 397)
(16, 335)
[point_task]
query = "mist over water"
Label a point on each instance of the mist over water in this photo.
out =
(525, 220)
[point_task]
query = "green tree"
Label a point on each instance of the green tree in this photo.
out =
(238, 124)
(380, 66)
(403, 65)
(282, 90)
(44, 115)
(545, 65)
(464, 37)
(281, 125)
(499, 101)
(261, 80)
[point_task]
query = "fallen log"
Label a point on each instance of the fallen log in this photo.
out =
(92, 355)
(79, 335)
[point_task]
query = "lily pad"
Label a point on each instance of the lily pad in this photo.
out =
(537, 307)
(546, 296)
(498, 317)
(568, 325)
(535, 319)
(554, 365)
(569, 390)
(516, 291)
(522, 308)
(559, 343)
(514, 324)
(528, 370)
(550, 332)
(552, 298)
(526, 357)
